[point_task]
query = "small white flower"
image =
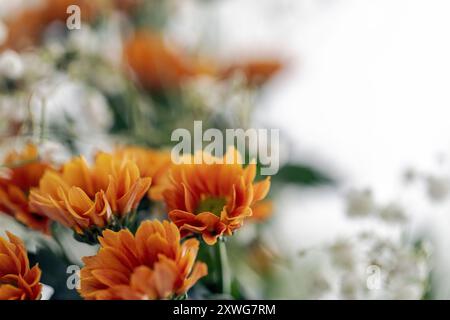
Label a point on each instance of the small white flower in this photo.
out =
(438, 187)
(392, 213)
(11, 65)
(360, 203)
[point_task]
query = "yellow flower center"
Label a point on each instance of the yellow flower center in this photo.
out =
(211, 204)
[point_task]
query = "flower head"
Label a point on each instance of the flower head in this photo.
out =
(83, 197)
(150, 265)
(17, 280)
(151, 163)
(22, 172)
(213, 199)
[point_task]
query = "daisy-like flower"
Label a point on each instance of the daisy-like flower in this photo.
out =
(150, 265)
(88, 199)
(151, 163)
(213, 199)
(22, 171)
(17, 280)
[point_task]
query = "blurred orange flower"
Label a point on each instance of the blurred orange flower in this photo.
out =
(26, 27)
(213, 199)
(23, 171)
(150, 265)
(81, 197)
(262, 211)
(157, 65)
(17, 280)
(151, 163)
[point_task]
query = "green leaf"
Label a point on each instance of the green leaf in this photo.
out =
(301, 175)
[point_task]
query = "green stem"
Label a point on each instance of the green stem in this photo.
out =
(223, 268)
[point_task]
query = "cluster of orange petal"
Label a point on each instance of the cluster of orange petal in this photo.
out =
(80, 196)
(17, 280)
(158, 65)
(22, 171)
(149, 265)
(213, 199)
(151, 163)
(210, 200)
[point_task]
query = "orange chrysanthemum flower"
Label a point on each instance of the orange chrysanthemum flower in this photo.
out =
(81, 197)
(151, 163)
(150, 265)
(23, 171)
(159, 66)
(213, 199)
(17, 280)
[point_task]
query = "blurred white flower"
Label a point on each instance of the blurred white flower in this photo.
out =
(54, 152)
(11, 65)
(392, 213)
(438, 187)
(397, 270)
(104, 40)
(71, 106)
(360, 203)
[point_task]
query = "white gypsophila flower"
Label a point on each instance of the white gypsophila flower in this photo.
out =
(438, 188)
(400, 267)
(71, 106)
(392, 213)
(205, 92)
(365, 266)
(230, 99)
(54, 152)
(105, 40)
(360, 203)
(308, 276)
(37, 67)
(11, 65)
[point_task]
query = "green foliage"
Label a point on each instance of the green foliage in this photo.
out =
(301, 175)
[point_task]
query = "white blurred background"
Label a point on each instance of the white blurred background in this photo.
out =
(365, 94)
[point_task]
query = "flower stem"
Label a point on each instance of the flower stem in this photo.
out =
(223, 268)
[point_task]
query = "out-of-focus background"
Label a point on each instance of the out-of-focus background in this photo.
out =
(358, 89)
